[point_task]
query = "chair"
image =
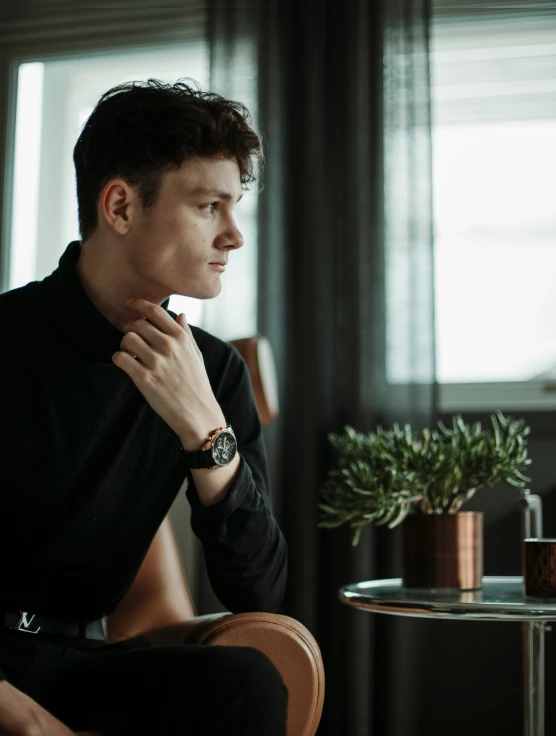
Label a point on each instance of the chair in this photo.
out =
(159, 604)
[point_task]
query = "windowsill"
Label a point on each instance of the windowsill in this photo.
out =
(534, 401)
(537, 396)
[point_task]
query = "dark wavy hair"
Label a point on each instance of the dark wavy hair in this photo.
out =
(140, 130)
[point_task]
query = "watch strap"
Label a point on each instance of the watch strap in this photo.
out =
(200, 459)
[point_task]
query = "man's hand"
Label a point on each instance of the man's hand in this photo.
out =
(162, 359)
(22, 716)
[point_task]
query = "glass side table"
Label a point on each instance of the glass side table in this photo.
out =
(501, 599)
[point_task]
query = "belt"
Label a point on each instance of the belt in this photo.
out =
(32, 623)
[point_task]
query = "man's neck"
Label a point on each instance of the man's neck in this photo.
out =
(105, 278)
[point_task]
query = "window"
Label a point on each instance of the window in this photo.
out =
(54, 99)
(494, 156)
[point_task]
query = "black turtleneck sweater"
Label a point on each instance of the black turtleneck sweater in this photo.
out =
(89, 471)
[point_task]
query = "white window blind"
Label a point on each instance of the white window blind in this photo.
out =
(493, 74)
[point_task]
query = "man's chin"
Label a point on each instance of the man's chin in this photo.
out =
(204, 294)
(214, 290)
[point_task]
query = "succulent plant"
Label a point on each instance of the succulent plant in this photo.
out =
(381, 476)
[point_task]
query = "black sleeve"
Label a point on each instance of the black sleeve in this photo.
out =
(245, 551)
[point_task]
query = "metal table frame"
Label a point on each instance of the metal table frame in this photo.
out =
(533, 632)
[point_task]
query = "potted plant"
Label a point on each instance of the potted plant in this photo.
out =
(423, 478)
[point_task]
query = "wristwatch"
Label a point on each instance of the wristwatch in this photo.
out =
(219, 450)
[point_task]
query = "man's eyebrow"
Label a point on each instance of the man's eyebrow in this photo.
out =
(213, 193)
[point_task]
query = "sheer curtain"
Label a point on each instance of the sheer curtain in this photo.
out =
(345, 295)
(231, 32)
(400, 646)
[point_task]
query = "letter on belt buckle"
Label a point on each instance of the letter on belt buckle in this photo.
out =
(24, 623)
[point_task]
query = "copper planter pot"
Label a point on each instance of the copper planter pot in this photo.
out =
(443, 551)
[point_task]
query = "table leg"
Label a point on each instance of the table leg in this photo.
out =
(533, 672)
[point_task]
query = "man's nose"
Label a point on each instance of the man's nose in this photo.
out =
(234, 238)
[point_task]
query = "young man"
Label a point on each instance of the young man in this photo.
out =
(109, 401)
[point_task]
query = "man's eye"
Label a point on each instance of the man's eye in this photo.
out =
(209, 207)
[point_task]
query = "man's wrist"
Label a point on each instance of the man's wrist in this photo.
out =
(195, 439)
(213, 485)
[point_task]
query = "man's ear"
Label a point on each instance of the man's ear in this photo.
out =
(117, 205)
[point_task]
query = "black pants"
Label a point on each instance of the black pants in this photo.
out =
(132, 688)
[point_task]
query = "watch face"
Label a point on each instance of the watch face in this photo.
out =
(224, 448)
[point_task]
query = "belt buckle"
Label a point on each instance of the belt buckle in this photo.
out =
(24, 623)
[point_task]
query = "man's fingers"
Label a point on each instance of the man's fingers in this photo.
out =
(150, 334)
(134, 369)
(182, 321)
(133, 344)
(156, 314)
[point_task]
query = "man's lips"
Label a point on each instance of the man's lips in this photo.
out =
(219, 266)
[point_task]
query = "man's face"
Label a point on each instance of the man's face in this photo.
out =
(176, 241)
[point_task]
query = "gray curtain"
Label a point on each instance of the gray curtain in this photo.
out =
(345, 297)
